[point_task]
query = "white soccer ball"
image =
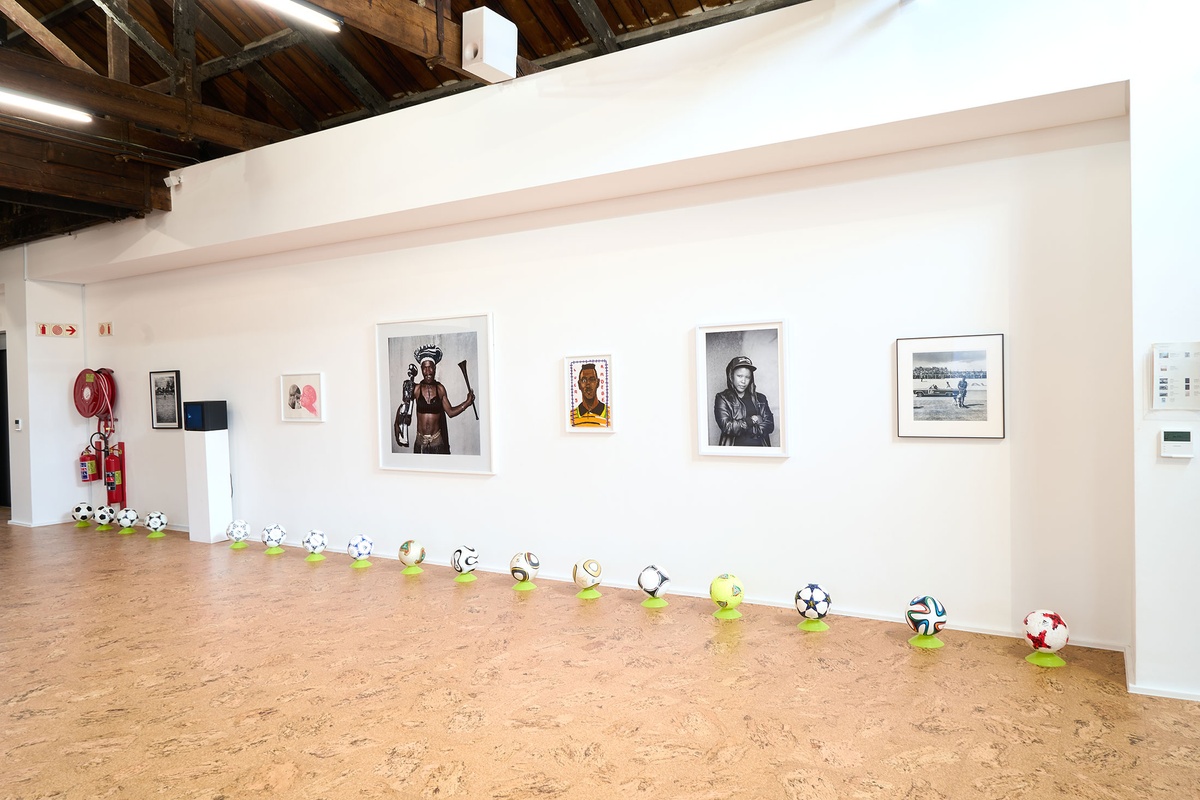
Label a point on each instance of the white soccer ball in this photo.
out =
(813, 602)
(156, 521)
(925, 615)
(316, 541)
(653, 581)
(82, 512)
(464, 559)
(238, 530)
(273, 535)
(360, 547)
(127, 517)
(586, 573)
(411, 553)
(1046, 631)
(524, 566)
(105, 514)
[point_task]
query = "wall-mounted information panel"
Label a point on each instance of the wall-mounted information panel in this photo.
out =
(1177, 376)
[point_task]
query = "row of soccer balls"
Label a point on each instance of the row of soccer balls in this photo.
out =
(125, 517)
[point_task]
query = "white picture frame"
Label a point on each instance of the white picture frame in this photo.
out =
(597, 370)
(728, 423)
(302, 397)
(930, 373)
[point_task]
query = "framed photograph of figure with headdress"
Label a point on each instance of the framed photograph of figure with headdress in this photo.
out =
(435, 390)
(589, 394)
(740, 390)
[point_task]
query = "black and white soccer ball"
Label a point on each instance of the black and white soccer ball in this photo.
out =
(813, 602)
(104, 515)
(524, 566)
(238, 530)
(127, 517)
(273, 535)
(315, 541)
(82, 512)
(653, 581)
(156, 521)
(360, 547)
(464, 559)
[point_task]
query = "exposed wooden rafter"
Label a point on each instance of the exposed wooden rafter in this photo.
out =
(184, 82)
(138, 35)
(59, 16)
(42, 35)
(597, 26)
(341, 66)
(118, 47)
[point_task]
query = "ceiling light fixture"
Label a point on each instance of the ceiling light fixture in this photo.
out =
(43, 107)
(306, 12)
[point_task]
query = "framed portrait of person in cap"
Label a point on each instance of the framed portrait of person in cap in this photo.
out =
(740, 390)
(589, 394)
(435, 386)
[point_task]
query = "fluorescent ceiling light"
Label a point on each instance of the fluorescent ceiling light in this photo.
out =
(44, 107)
(306, 12)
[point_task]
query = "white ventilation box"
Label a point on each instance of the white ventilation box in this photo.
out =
(489, 46)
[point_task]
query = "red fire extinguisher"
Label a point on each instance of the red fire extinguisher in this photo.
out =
(89, 466)
(114, 479)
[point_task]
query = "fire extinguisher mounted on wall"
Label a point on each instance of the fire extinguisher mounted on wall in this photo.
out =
(95, 395)
(89, 465)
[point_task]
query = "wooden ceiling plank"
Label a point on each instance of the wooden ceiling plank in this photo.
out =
(184, 82)
(59, 16)
(42, 35)
(104, 96)
(251, 53)
(117, 46)
(631, 18)
(367, 94)
(34, 175)
(403, 23)
(67, 204)
(597, 26)
(740, 10)
(539, 40)
(43, 224)
(140, 36)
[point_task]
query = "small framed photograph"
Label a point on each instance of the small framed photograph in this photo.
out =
(950, 387)
(435, 394)
(589, 394)
(740, 404)
(166, 407)
(302, 397)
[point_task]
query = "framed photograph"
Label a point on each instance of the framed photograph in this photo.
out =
(950, 387)
(589, 394)
(435, 394)
(166, 407)
(302, 397)
(740, 404)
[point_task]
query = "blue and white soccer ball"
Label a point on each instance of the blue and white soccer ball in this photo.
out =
(82, 512)
(238, 530)
(653, 581)
(813, 602)
(464, 559)
(156, 521)
(360, 547)
(316, 541)
(411, 553)
(925, 615)
(273, 535)
(586, 573)
(127, 517)
(105, 515)
(524, 566)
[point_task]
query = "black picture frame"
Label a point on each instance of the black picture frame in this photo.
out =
(166, 404)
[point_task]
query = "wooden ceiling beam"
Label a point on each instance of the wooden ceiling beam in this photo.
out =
(341, 66)
(115, 137)
(184, 82)
(139, 35)
(255, 51)
(24, 224)
(403, 23)
(59, 16)
(597, 26)
(69, 205)
(42, 35)
(42, 168)
(118, 47)
(104, 96)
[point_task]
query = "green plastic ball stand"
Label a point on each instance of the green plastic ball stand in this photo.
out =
(124, 531)
(315, 557)
(524, 586)
(654, 602)
(155, 535)
(588, 594)
(727, 613)
(273, 551)
(813, 625)
(360, 563)
(413, 570)
(238, 546)
(104, 528)
(83, 523)
(926, 642)
(466, 577)
(1046, 660)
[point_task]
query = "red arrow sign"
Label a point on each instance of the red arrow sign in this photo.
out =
(70, 330)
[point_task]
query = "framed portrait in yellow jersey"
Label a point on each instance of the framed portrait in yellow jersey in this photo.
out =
(588, 407)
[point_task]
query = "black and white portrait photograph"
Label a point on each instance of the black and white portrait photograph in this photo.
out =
(740, 388)
(955, 386)
(434, 394)
(165, 404)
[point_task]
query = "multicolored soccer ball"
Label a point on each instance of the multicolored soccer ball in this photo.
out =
(524, 566)
(653, 581)
(238, 530)
(813, 602)
(464, 559)
(411, 553)
(925, 615)
(586, 573)
(127, 517)
(360, 547)
(156, 521)
(315, 541)
(726, 591)
(273, 535)
(104, 515)
(1046, 631)
(82, 512)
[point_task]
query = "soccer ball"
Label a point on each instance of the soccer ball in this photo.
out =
(360, 547)
(813, 602)
(105, 514)
(586, 573)
(726, 591)
(925, 615)
(464, 559)
(411, 553)
(273, 535)
(315, 542)
(238, 530)
(127, 517)
(1046, 631)
(156, 521)
(82, 512)
(653, 581)
(524, 566)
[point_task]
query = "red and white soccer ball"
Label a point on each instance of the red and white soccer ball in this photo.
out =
(1046, 631)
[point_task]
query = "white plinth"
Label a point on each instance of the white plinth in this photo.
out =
(209, 489)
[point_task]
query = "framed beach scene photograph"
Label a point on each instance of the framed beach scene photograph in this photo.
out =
(950, 387)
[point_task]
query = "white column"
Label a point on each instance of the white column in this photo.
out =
(209, 489)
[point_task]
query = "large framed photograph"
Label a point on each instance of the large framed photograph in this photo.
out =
(166, 407)
(435, 391)
(950, 387)
(740, 402)
(302, 397)
(589, 394)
